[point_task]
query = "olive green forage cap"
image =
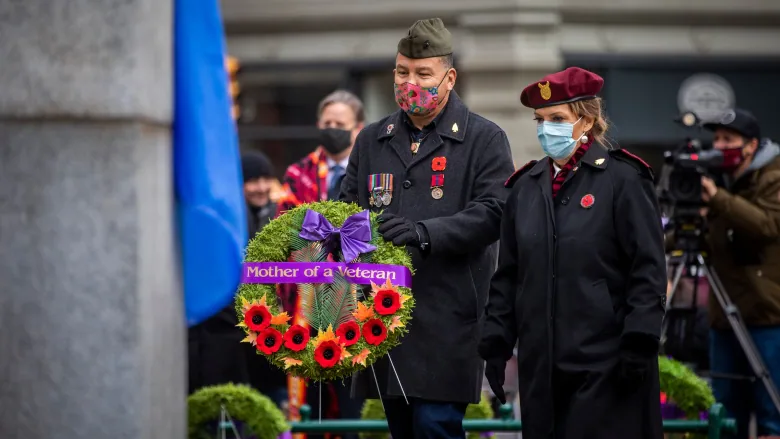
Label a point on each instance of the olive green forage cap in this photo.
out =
(426, 39)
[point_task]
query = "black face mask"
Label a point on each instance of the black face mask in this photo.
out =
(335, 140)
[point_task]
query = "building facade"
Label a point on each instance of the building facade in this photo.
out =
(658, 57)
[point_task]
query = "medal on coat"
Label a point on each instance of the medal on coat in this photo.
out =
(415, 147)
(437, 182)
(380, 189)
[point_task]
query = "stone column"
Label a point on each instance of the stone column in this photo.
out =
(92, 334)
(501, 53)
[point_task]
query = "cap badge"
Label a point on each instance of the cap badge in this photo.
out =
(390, 128)
(599, 161)
(455, 128)
(587, 201)
(545, 91)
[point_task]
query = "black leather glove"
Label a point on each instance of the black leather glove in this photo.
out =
(637, 352)
(399, 230)
(633, 371)
(494, 372)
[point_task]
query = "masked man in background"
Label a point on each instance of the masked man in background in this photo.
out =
(317, 177)
(744, 239)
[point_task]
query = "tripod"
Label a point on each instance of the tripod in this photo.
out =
(696, 260)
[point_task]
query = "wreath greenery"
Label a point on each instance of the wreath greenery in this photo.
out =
(683, 387)
(352, 335)
(372, 409)
(243, 404)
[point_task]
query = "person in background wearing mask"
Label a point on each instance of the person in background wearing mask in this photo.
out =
(744, 239)
(581, 279)
(435, 170)
(258, 181)
(317, 177)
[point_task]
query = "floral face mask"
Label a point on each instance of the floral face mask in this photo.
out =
(416, 100)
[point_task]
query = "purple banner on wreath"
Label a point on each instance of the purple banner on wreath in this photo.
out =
(322, 273)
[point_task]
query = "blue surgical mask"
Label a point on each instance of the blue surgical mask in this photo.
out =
(556, 138)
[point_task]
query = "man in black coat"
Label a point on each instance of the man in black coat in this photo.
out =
(436, 171)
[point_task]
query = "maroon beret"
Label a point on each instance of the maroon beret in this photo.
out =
(572, 84)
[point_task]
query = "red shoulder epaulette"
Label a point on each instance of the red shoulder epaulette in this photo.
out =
(635, 159)
(517, 174)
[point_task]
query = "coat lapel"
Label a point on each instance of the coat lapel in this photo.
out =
(398, 134)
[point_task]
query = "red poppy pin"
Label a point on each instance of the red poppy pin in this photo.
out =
(439, 163)
(587, 201)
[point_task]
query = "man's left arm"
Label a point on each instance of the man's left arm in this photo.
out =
(477, 225)
(760, 219)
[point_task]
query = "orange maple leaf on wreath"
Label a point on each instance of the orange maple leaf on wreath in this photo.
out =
(361, 357)
(327, 335)
(280, 319)
(363, 312)
(395, 324)
(375, 288)
(246, 304)
(289, 362)
(251, 338)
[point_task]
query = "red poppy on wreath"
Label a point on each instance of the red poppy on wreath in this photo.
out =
(386, 302)
(587, 201)
(269, 341)
(328, 353)
(296, 338)
(439, 163)
(257, 318)
(348, 333)
(374, 331)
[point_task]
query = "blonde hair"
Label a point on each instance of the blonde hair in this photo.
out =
(593, 109)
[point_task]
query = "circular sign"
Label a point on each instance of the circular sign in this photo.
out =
(708, 96)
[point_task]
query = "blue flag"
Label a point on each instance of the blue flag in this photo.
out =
(206, 159)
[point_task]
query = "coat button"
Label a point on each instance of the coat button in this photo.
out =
(407, 184)
(565, 201)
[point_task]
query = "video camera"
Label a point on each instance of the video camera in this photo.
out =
(679, 189)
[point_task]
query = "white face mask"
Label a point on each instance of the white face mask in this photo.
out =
(556, 138)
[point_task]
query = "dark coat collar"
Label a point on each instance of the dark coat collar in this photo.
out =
(596, 157)
(452, 124)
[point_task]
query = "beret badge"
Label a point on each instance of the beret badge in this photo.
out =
(544, 90)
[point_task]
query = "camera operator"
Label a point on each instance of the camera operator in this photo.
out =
(744, 239)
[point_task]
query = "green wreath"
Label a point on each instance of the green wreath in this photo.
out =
(372, 409)
(351, 334)
(683, 387)
(243, 404)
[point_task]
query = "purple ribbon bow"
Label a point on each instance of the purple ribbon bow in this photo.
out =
(355, 232)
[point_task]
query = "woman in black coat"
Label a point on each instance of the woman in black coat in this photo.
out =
(581, 279)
